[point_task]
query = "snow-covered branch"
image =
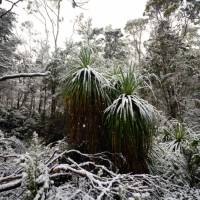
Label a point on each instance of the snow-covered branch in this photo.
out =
(10, 185)
(23, 75)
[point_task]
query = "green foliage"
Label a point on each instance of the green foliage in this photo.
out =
(85, 57)
(115, 47)
(6, 25)
(84, 84)
(136, 25)
(162, 6)
(131, 121)
(8, 42)
(175, 154)
(129, 81)
(131, 116)
(166, 8)
(179, 132)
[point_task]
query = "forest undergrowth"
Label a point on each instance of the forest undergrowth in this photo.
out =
(56, 172)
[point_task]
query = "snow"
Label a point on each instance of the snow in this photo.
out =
(74, 180)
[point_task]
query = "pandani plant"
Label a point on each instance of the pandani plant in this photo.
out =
(86, 91)
(131, 122)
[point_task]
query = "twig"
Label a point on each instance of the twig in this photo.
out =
(14, 4)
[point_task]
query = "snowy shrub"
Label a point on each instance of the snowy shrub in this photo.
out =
(176, 152)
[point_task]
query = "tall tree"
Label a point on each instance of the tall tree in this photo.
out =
(185, 11)
(114, 45)
(8, 41)
(135, 28)
(49, 14)
(169, 54)
(163, 50)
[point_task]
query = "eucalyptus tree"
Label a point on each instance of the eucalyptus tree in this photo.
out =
(49, 14)
(131, 121)
(135, 29)
(8, 41)
(188, 8)
(164, 57)
(171, 53)
(183, 12)
(114, 44)
(8, 44)
(90, 36)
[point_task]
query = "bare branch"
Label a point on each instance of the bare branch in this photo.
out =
(76, 4)
(23, 75)
(9, 10)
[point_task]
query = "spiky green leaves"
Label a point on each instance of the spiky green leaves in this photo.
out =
(179, 132)
(129, 118)
(85, 57)
(129, 81)
(131, 121)
(129, 112)
(130, 115)
(86, 86)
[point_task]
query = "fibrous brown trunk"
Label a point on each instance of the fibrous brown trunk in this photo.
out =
(86, 127)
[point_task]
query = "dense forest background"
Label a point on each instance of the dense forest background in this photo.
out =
(108, 114)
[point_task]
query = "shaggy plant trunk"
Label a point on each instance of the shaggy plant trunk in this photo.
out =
(85, 129)
(135, 161)
(86, 90)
